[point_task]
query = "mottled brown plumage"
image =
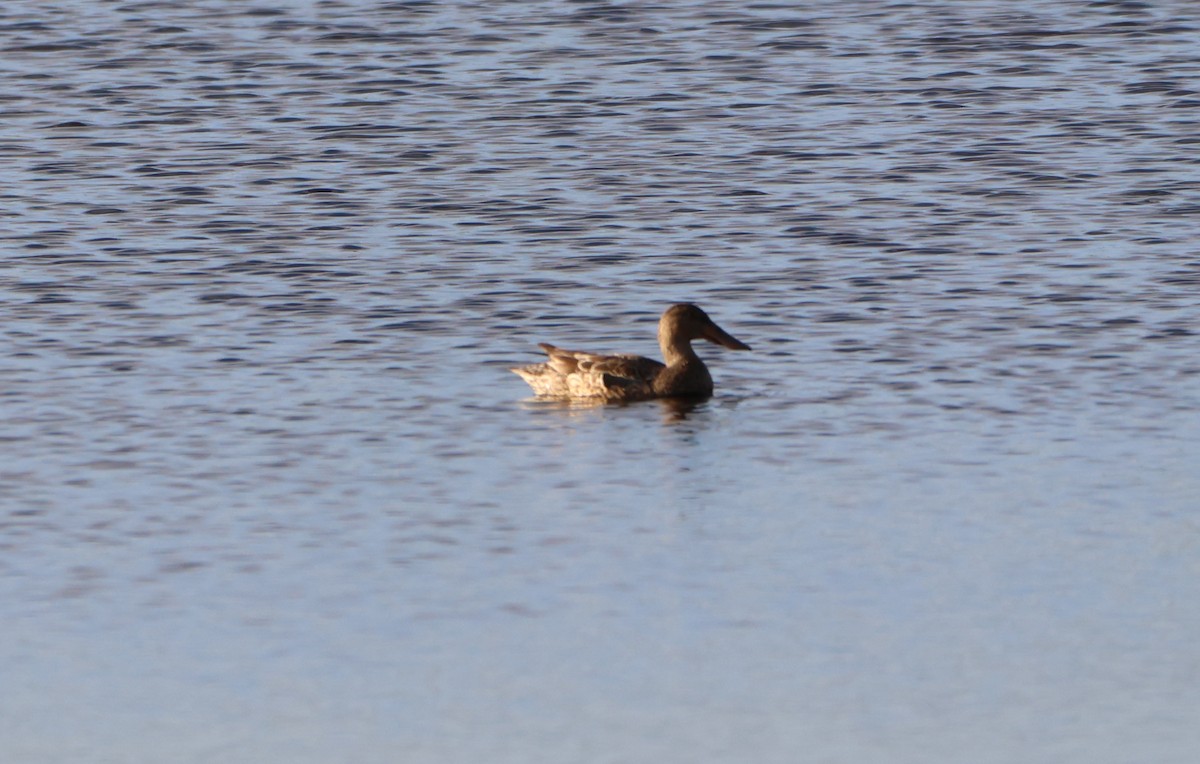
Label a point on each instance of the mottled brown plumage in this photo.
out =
(579, 375)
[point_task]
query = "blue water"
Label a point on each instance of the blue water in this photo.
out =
(268, 492)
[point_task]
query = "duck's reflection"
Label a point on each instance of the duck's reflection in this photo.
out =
(673, 409)
(678, 409)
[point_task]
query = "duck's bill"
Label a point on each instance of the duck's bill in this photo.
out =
(719, 336)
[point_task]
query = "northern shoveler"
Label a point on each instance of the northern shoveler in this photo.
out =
(576, 375)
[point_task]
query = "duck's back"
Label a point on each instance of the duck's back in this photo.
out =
(577, 374)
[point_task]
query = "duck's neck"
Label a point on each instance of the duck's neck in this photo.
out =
(677, 352)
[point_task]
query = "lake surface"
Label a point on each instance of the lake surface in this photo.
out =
(268, 493)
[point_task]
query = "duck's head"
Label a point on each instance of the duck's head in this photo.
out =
(686, 322)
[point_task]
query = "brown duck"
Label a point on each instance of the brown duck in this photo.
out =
(576, 375)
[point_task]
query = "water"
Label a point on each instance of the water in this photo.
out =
(269, 494)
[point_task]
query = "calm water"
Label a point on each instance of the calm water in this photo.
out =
(269, 495)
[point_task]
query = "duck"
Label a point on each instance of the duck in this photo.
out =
(578, 375)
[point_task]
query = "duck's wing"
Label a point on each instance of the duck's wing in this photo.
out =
(627, 367)
(578, 374)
